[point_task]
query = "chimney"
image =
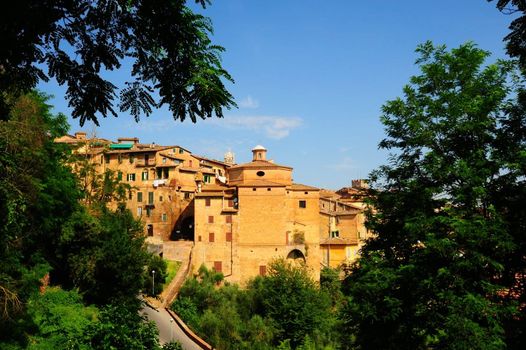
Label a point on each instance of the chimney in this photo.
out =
(80, 135)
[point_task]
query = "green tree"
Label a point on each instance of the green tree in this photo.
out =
(435, 273)
(45, 232)
(60, 319)
(159, 265)
(289, 296)
(168, 46)
(37, 195)
(121, 327)
(516, 39)
(103, 255)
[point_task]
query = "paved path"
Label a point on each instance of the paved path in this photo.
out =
(168, 329)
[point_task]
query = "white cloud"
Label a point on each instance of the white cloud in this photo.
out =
(272, 126)
(345, 164)
(249, 102)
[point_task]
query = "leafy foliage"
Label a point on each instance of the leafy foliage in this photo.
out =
(516, 40)
(438, 273)
(159, 265)
(285, 309)
(60, 317)
(121, 327)
(95, 253)
(78, 41)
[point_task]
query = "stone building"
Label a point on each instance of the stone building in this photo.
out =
(258, 215)
(163, 180)
(237, 217)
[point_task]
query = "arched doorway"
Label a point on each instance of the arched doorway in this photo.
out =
(296, 255)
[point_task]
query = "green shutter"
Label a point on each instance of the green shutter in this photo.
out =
(150, 197)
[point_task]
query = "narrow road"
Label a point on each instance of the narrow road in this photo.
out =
(168, 329)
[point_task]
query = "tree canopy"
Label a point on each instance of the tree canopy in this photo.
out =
(445, 268)
(516, 39)
(75, 42)
(48, 239)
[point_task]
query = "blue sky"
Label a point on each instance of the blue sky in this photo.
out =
(310, 79)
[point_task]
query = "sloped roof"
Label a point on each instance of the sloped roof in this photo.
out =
(258, 183)
(260, 164)
(337, 241)
(301, 187)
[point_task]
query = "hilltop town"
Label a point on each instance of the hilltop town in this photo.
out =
(233, 218)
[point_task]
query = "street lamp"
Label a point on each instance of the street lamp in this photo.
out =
(153, 282)
(171, 329)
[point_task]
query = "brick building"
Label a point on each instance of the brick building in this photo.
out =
(238, 216)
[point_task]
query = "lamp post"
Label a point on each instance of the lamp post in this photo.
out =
(171, 329)
(153, 282)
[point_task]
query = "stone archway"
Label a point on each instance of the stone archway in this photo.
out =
(296, 255)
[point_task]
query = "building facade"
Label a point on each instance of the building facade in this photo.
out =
(238, 216)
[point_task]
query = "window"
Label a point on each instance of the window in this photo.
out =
(164, 217)
(139, 196)
(190, 163)
(210, 219)
(306, 192)
(229, 236)
(207, 202)
(211, 237)
(269, 189)
(164, 160)
(107, 158)
(335, 234)
(260, 173)
(132, 158)
(228, 219)
(303, 204)
(130, 177)
(206, 178)
(230, 203)
(253, 188)
(145, 175)
(262, 270)
(160, 198)
(148, 211)
(181, 151)
(130, 195)
(218, 266)
(150, 197)
(187, 195)
(139, 211)
(150, 230)
(119, 175)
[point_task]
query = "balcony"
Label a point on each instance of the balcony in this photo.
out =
(144, 163)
